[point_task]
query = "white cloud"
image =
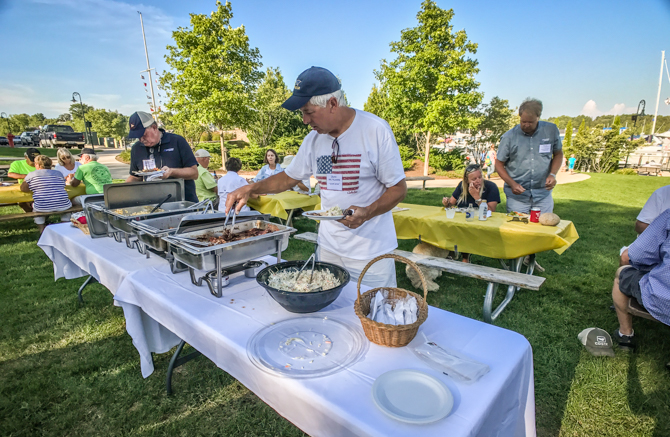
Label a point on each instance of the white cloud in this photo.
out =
(591, 109)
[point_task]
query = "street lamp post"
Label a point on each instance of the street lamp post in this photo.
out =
(635, 117)
(83, 113)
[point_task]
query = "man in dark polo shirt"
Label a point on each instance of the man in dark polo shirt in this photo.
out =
(169, 152)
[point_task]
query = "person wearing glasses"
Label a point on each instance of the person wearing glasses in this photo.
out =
(67, 164)
(478, 190)
(529, 156)
(163, 150)
(355, 158)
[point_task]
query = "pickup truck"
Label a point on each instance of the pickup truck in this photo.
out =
(60, 135)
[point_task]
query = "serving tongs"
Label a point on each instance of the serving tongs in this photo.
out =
(228, 233)
(312, 258)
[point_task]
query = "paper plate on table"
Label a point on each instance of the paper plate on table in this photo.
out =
(314, 215)
(306, 347)
(412, 396)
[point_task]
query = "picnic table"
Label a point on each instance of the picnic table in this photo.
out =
(283, 205)
(420, 178)
(13, 193)
(496, 237)
(163, 310)
(649, 169)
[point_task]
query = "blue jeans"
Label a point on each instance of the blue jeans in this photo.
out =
(546, 204)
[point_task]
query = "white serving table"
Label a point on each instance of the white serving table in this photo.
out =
(501, 403)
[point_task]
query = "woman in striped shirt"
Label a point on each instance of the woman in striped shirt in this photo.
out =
(48, 188)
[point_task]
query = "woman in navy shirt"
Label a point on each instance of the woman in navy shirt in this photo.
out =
(478, 190)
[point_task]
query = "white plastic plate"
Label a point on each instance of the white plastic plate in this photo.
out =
(314, 215)
(148, 173)
(412, 396)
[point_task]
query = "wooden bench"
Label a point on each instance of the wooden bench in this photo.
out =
(420, 178)
(493, 276)
(6, 218)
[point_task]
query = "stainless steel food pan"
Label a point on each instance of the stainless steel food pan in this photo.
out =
(230, 254)
(119, 219)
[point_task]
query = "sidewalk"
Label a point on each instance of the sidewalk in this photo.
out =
(561, 177)
(107, 157)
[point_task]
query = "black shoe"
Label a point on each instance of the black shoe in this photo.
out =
(626, 342)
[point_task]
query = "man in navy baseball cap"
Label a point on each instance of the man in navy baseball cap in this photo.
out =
(314, 81)
(138, 123)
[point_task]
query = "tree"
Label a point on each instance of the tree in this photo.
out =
(567, 142)
(268, 112)
(192, 132)
(430, 83)
(215, 72)
(108, 123)
(495, 121)
(37, 120)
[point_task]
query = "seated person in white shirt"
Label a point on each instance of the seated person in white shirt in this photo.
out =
(658, 202)
(231, 182)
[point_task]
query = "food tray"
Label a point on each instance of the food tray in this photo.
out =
(121, 220)
(233, 253)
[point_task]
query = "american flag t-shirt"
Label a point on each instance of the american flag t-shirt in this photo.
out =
(349, 166)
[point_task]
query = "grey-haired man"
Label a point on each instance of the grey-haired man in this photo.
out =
(529, 156)
(354, 156)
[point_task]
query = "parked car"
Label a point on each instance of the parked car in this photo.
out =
(4, 141)
(17, 141)
(61, 135)
(26, 138)
(35, 136)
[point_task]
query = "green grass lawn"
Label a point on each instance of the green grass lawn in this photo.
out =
(71, 370)
(18, 152)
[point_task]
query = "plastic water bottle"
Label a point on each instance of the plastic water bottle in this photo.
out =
(470, 213)
(483, 210)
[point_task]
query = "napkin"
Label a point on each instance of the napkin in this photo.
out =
(393, 311)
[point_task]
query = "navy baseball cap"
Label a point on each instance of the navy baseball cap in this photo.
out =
(138, 123)
(314, 81)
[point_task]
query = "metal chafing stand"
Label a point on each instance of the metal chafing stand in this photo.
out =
(222, 260)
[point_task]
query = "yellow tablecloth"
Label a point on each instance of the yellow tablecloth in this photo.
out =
(13, 194)
(493, 238)
(277, 204)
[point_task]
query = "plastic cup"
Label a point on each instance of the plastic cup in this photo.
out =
(451, 213)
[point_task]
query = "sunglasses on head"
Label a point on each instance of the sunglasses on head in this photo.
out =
(472, 167)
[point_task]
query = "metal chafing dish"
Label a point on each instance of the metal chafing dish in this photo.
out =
(130, 202)
(222, 260)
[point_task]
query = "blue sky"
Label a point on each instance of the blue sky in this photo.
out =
(589, 57)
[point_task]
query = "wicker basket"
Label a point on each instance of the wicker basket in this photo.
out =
(381, 333)
(83, 227)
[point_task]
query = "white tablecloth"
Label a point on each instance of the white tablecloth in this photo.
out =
(75, 254)
(161, 307)
(502, 403)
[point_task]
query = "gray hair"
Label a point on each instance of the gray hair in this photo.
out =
(93, 156)
(63, 153)
(532, 106)
(323, 100)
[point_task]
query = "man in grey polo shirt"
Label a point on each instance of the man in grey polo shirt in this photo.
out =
(529, 156)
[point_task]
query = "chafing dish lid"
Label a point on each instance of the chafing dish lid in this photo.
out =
(142, 193)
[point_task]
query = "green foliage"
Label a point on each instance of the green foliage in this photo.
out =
(447, 160)
(251, 156)
(214, 71)
(212, 148)
(269, 114)
(124, 156)
(216, 136)
(407, 155)
(215, 162)
(626, 171)
(567, 142)
(287, 145)
(430, 83)
(206, 136)
(495, 120)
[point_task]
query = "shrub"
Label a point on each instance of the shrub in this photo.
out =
(212, 148)
(626, 171)
(124, 157)
(216, 136)
(251, 156)
(445, 161)
(206, 136)
(215, 162)
(407, 155)
(287, 145)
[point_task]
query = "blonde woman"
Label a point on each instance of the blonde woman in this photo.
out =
(67, 164)
(477, 190)
(48, 188)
